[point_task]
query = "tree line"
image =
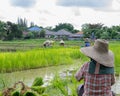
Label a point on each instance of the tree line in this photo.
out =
(10, 31)
(100, 31)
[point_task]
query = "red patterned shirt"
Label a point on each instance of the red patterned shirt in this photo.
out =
(95, 84)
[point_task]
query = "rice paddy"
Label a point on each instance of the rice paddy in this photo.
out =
(36, 58)
(42, 57)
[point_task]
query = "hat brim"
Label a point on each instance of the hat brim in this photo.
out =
(106, 59)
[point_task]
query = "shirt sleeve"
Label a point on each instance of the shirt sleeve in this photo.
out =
(80, 73)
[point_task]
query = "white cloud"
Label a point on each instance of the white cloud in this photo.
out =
(101, 5)
(85, 3)
(48, 13)
(23, 3)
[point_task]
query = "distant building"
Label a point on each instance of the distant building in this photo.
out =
(49, 34)
(76, 36)
(35, 29)
(62, 34)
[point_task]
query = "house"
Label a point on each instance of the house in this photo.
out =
(76, 36)
(49, 34)
(80, 33)
(35, 29)
(62, 34)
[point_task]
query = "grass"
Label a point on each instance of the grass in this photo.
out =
(35, 56)
(15, 61)
(115, 47)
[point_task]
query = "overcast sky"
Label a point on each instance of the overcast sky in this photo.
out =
(51, 12)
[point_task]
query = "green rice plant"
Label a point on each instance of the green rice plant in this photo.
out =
(63, 86)
(38, 89)
(31, 93)
(14, 61)
(15, 93)
(38, 81)
(42, 57)
(116, 50)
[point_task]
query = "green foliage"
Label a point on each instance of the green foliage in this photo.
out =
(15, 93)
(35, 58)
(22, 23)
(0, 93)
(88, 29)
(2, 30)
(105, 35)
(63, 86)
(12, 31)
(38, 81)
(115, 47)
(31, 93)
(30, 35)
(101, 31)
(76, 54)
(38, 89)
(67, 26)
(60, 84)
(44, 95)
(42, 33)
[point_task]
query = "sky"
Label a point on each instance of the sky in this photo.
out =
(52, 12)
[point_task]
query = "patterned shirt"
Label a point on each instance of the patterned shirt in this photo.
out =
(95, 84)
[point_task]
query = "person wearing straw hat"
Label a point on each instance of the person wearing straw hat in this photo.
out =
(62, 42)
(87, 42)
(98, 73)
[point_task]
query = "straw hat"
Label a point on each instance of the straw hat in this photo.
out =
(100, 53)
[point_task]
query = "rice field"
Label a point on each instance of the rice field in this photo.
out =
(42, 57)
(52, 56)
(36, 58)
(115, 47)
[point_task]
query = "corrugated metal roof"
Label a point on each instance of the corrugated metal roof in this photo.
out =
(35, 28)
(48, 32)
(62, 32)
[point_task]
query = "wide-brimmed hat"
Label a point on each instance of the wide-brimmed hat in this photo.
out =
(100, 53)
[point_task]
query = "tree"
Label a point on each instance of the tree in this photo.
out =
(49, 28)
(63, 26)
(32, 24)
(12, 31)
(2, 30)
(22, 23)
(67, 26)
(90, 29)
(42, 33)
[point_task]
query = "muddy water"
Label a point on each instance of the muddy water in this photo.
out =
(28, 76)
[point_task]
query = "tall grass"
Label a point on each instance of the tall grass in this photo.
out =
(115, 47)
(13, 61)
